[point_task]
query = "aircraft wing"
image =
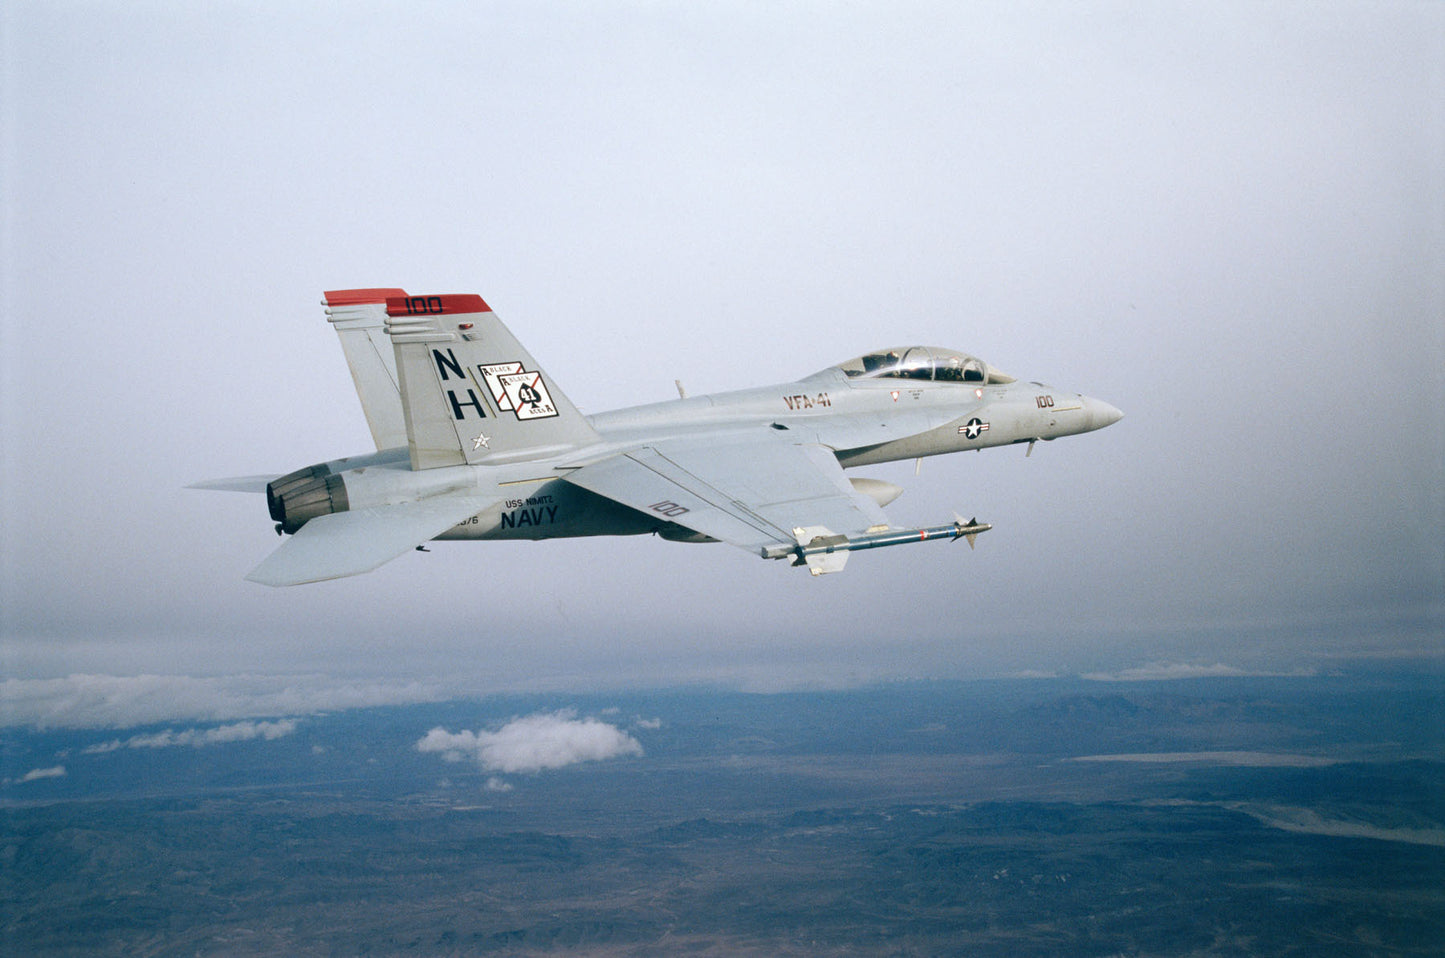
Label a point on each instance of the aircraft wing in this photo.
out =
(347, 543)
(752, 492)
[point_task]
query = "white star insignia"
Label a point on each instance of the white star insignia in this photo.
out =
(482, 440)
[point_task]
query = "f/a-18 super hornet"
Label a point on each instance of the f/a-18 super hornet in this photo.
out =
(475, 441)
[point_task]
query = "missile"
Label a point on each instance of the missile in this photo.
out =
(824, 551)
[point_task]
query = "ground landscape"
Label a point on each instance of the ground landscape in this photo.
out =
(1227, 816)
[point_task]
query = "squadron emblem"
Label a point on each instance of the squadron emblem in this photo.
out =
(518, 391)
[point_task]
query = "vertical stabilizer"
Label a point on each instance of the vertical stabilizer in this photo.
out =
(469, 391)
(359, 316)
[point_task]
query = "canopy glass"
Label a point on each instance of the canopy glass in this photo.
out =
(930, 363)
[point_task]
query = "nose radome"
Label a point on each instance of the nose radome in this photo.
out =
(1103, 414)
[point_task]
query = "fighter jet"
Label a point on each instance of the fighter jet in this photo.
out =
(475, 441)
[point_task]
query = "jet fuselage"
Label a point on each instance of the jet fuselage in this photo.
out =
(865, 422)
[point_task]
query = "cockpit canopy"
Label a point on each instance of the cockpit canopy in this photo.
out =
(931, 363)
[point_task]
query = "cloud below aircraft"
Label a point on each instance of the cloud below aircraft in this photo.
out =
(197, 738)
(533, 743)
(114, 701)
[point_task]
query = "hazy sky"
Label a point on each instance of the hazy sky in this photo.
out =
(1227, 220)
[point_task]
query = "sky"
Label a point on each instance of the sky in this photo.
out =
(1228, 220)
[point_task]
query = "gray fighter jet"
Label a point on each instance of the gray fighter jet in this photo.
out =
(475, 441)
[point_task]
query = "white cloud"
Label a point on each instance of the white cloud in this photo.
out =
(115, 701)
(196, 738)
(114, 745)
(1160, 671)
(35, 775)
(533, 743)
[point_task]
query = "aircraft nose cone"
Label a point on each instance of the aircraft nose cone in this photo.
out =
(1103, 414)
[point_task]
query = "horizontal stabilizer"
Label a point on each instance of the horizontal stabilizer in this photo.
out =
(348, 543)
(235, 484)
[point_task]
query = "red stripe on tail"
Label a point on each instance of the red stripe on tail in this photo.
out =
(447, 304)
